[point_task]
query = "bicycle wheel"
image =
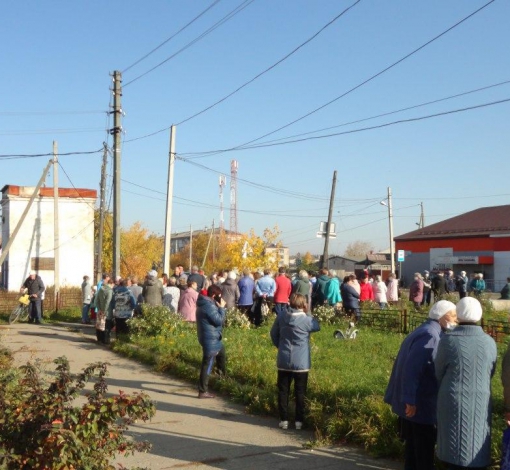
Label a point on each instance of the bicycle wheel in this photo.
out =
(24, 313)
(13, 318)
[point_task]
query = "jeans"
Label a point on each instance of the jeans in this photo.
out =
(35, 310)
(383, 305)
(285, 379)
(426, 297)
(85, 313)
(420, 443)
(220, 358)
(280, 308)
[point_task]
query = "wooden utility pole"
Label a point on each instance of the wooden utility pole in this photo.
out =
(12, 237)
(56, 231)
(102, 209)
(325, 255)
(169, 202)
(116, 131)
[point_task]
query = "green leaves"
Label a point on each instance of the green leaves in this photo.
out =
(40, 427)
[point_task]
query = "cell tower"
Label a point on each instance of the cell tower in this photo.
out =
(233, 195)
(223, 183)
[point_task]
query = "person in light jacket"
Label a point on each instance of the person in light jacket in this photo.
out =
(291, 335)
(333, 289)
(210, 318)
(187, 306)
(380, 290)
(152, 290)
(465, 363)
(392, 294)
(412, 389)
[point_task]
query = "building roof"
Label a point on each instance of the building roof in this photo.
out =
(27, 191)
(357, 260)
(485, 221)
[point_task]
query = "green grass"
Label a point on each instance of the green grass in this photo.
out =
(67, 315)
(346, 386)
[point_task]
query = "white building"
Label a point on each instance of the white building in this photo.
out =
(33, 247)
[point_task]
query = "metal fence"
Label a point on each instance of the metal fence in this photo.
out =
(404, 321)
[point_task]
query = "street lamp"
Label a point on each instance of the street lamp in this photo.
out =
(388, 203)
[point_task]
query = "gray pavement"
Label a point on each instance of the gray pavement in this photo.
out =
(186, 432)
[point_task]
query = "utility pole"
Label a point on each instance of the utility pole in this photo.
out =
(208, 245)
(12, 237)
(190, 247)
(102, 208)
(116, 131)
(169, 202)
(392, 243)
(325, 255)
(56, 232)
(422, 216)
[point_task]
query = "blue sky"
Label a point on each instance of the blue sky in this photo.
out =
(56, 58)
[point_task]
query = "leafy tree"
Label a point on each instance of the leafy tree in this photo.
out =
(358, 249)
(139, 250)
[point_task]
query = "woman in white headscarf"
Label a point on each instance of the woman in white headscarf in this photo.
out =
(465, 363)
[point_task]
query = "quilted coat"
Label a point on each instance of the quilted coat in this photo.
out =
(465, 363)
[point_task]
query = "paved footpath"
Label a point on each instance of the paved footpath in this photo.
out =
(185, 432)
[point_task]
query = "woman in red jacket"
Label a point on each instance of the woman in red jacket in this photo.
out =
(367, 293)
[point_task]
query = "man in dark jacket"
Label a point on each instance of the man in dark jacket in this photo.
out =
(195, 276)
(439, 286)
(412, 390)
(35, 288)
(319, 289)
(210, 317)
(350, 297)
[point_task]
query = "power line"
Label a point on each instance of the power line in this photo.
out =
(285, 57)
(49, 131)
(35, 155)
(381, 72)
(408, 108)
(216, 25)
(47, 113)
(353, 131)
(172, 36)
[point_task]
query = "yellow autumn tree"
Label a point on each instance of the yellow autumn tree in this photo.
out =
(140, 250)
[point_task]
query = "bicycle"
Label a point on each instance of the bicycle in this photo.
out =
(21, 311)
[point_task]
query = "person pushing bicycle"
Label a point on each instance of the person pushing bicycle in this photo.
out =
(35, 287)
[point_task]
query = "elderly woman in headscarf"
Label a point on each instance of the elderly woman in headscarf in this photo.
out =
(465, 363)
(412, 390)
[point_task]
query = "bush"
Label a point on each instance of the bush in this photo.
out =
(236, 319)
(155, 321)
(42, 428)
(326, 314)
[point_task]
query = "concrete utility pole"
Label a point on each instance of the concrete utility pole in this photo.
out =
(102, 208)
(116, 131)
(56, 231)
(392, 243)
(190, 247)
(208, 245)
(12, 237)
(169, 202)
(325, 255)
(422, 216)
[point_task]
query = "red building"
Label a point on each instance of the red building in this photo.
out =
(477, 241)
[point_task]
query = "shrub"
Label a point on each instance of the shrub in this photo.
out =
(155, 321)
(325, 314)
(236, 319)
(41, 428)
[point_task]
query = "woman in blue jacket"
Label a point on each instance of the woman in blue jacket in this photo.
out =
(291, 335)
(210, 318)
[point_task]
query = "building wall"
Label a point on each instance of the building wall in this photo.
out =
(281, 255)
(36, 239)
(493, 256)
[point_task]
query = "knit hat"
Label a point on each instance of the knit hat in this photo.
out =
(469, 309)
(153, 274)
(440, 309)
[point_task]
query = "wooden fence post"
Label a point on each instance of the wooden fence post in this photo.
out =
(405, 325)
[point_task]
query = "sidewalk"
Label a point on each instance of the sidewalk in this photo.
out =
(186, 432)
